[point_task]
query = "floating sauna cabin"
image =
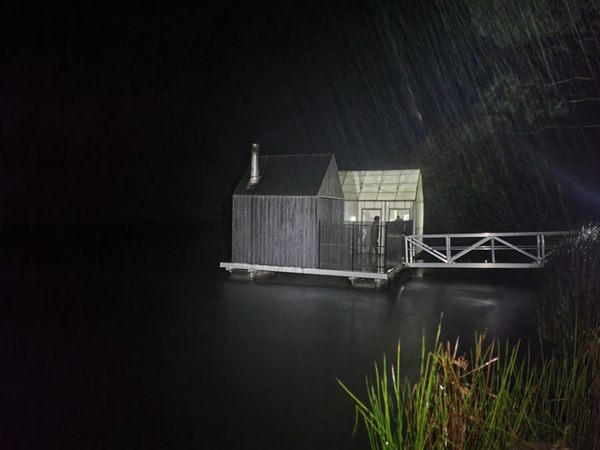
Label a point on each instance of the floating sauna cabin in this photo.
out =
(389, 194)
(278, 205)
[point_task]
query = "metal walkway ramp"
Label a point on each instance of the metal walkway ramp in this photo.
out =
(482, 250)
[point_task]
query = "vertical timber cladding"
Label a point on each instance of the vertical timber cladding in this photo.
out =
(330, 210)
(281, 230)
(241, 243)
(281, 227)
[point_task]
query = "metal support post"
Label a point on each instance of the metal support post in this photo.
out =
(543, 247)
(320, 247)
(352, 248)
(385, 246)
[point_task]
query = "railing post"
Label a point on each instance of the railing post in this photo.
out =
(543, 247)
(448, 251)
(385, 246)
(406, 257)
(352, 248)
(493, 252)
(320, 246)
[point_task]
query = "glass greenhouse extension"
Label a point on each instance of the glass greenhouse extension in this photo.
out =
(389, 194)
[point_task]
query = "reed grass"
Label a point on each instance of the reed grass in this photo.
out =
(491, 399)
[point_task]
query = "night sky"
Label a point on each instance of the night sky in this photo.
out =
(145, 114)
(116, 115)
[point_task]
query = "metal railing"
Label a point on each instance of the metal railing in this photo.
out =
(358, 246)
(482, 250)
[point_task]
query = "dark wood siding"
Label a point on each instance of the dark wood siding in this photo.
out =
(240, 229)
(275, 230)
(331, 186)
(330, 210)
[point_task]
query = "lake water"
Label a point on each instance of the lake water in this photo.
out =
(145, 343)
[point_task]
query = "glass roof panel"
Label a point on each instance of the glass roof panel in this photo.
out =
(369, 185)
(409, 177)
(406, 195)
(387, 178)
(372, 179)
(388, 187)
(386, 196)
(370, 188)
(366, 196)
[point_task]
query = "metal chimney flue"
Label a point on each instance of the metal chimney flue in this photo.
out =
(254, 169)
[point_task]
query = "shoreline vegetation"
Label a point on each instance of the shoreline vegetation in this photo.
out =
(499, 396)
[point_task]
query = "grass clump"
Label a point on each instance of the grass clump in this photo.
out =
(492, 399)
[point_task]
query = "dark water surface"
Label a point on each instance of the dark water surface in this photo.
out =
(129, 342)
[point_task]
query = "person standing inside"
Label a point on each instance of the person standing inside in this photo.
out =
(374, 249)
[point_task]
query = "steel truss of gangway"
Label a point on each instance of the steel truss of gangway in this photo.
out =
(529, 250)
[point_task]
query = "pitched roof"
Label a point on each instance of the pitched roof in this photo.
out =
(380, 185)
(293, 175)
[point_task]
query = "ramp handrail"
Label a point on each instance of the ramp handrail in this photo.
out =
(534, 252)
